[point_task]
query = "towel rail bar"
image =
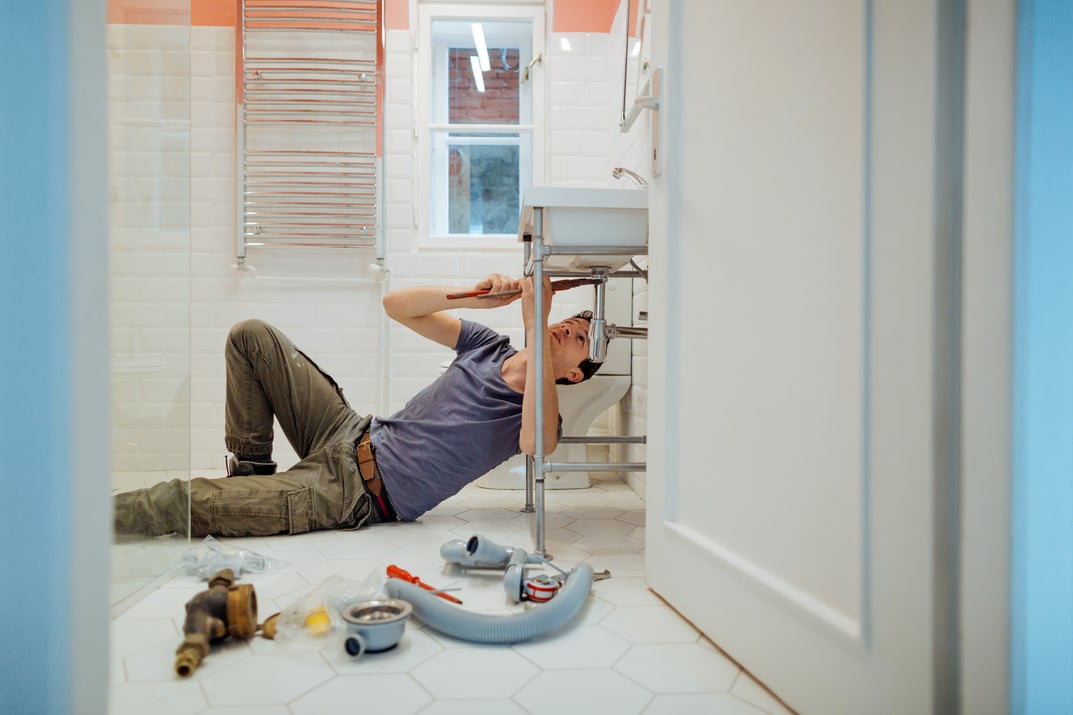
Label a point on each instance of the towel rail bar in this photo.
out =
(294, 100)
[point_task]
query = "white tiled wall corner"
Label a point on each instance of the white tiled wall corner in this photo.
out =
(631, 150)
(326, 300)
(580, 103)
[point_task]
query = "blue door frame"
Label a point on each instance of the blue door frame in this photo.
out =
(1041, 623)
(55, 513)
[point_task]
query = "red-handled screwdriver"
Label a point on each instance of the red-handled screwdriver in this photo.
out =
(394, 571)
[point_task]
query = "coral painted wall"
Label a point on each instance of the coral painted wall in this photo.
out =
(584, 15)
(172, 12)
(569, 15)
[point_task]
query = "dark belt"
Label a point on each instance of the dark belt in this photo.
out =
(371, 475)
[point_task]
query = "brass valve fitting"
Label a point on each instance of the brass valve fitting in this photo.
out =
(224, 609)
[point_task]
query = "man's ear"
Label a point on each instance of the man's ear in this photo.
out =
(575, 375)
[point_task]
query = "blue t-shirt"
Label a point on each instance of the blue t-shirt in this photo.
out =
(455, 430)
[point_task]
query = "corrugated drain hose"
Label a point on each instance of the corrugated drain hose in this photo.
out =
(497, 629)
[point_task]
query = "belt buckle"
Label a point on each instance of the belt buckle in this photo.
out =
(374, 484)
(365, 458)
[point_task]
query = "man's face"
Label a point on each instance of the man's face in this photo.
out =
(569, 347)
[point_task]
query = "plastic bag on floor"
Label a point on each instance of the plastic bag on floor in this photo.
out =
(318, 613)
(211, 555)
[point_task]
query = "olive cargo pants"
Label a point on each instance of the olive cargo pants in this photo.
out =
(267, 376)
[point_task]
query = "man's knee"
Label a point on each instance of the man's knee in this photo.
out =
(251, 333)
(245, 329)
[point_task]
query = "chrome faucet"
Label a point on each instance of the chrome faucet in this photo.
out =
(618, 171)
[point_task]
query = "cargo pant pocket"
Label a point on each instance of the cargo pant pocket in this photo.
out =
(264, 512)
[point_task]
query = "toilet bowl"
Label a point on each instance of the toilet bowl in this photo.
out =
(579, 404)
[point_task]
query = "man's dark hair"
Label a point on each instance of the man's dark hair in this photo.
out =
(587, 367)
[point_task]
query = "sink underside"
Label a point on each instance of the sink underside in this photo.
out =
(582, 216)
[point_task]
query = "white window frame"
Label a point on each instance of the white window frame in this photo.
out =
(532, 125)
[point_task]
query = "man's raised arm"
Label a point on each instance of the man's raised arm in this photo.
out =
(423, 308)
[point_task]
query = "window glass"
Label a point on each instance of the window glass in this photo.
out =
(483, 188)
(497, 103)
(480, 126)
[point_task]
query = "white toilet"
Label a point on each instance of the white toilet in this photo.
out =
(580, 405)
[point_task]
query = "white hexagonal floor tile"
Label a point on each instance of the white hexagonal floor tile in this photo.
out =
(475, 672)
(164, 603)
(294, 546)
(622, 565)
(354, 570)
(443, 522)
(451, 507)
(129, 637)
(422, 560)
(417, 534)
(255, 710)
(178, 697)
(678, 668)
(555, 692)
(565, 555)
(479, 516)
(747, 689)
(268, 679)
(509, 500)
(650, 624)
(626, 591)
(700, 704)
(592, 612)
(295, 558)
(593, 512)
(558, 536)
(554, 519)
(601, 546)
(379, 693)
(272, 589)
(610, 528)
(625, 651)
(361, 544)
(501, 531)
(157, 663)
(580, 647)
(473, 707)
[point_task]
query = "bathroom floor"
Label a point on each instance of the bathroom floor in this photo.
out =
(626, 651)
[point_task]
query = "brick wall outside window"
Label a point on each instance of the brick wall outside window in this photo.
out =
(498, 104)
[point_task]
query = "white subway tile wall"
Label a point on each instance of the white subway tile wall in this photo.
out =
(327, 300)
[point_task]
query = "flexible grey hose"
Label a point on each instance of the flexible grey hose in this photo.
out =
(493, 629)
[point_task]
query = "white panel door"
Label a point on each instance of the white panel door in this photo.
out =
(800, 313)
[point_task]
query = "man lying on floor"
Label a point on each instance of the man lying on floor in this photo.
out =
(356, 470)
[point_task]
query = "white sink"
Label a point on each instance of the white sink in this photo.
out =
(584, 216)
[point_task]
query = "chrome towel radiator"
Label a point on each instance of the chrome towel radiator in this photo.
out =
(311, 96)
